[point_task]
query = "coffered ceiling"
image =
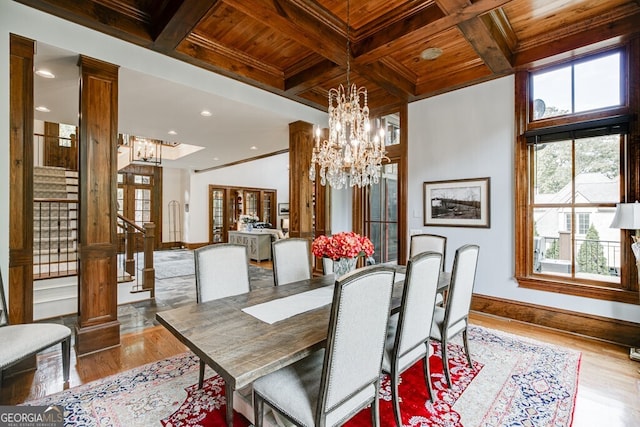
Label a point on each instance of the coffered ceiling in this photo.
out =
(298, 48)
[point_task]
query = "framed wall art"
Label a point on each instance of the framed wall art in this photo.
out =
(283, 209)
(457, 203)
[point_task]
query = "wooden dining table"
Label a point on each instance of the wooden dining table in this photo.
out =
(242, 348)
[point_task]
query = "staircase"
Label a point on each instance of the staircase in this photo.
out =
(55, 248)
(55, 242)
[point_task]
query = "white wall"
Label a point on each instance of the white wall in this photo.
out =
(469, 133)
(271, 172)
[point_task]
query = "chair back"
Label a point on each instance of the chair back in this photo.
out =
(4, 314)
(222, 270)
(463, 278)
(418, 302)
(356, 337)
(291, 260)
(428, 243)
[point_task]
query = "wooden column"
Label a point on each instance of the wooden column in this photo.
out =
(20, 277)
(300, 186)
(98, 327)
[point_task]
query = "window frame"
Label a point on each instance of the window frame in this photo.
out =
(630, 178)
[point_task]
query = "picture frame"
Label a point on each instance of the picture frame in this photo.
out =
(457, 203)
(283, 209)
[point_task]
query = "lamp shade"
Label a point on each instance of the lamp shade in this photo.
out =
(627, 216)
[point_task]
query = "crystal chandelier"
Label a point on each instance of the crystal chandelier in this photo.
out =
(350, 155)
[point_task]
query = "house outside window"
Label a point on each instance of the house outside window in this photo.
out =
(574, 138)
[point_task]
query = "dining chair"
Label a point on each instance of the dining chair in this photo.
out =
(428, 243)
(21, 341)
(222, 270)
(291, 260)
(408, 331)
(333, 384)
(452, 319)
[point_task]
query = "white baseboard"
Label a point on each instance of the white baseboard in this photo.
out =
(634, 354)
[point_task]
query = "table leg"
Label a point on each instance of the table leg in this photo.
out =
(229, 396)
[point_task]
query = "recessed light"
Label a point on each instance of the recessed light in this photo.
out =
(431, 53)
(43, 109)
(172, 132)
(205, 113)
(216, 159)
(253, 147)
(45, 73)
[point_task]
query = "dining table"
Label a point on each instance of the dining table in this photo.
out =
(241, 347)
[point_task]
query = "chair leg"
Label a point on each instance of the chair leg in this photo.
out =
(66, 358)
(201, 376)
(427, 375)
(258, 410)
(445, 362)
(466, 348)
(375, 410)
(395, 397)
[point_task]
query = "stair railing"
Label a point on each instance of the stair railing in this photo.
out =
(131, 260)
(55, 240)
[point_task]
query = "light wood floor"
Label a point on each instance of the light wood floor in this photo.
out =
(608, 390)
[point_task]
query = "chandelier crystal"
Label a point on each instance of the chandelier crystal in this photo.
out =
(350, 155)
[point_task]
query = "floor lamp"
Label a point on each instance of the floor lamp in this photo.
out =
(627, 217)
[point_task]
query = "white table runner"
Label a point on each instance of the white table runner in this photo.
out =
(274, 311)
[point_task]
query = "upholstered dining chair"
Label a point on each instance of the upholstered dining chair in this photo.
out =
(408, 331)
(222, 270)
(291, 260)
(333, 384)
(428, 242)
(24, 340)
(452, 319)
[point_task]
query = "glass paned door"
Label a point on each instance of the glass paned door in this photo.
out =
(381, 220)
(218, 232)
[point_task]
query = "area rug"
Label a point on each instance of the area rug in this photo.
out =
(515, 382)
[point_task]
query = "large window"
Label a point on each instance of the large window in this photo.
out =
(574, 161)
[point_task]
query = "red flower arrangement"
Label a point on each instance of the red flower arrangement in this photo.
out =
(342, 245)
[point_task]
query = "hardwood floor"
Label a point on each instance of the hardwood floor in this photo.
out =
(608, 390)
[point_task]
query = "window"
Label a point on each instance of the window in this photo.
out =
(574, 142)
(577, 87)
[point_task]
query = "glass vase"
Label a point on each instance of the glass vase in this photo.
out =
(343, 265)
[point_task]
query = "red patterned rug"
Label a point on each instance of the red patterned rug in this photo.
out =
(516, 382)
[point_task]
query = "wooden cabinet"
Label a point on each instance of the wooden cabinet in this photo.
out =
(226, 204)
(258, 244)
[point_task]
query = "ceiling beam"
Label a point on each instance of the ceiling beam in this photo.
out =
(312, 76)
(129, 24)
(388, 40)
(490, 46)
(298, 25)
(178, 25)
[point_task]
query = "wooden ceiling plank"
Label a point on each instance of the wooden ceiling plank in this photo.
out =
(386, 78)
(467, 77)
(372, 50)
(168, 35)
(388, 34)
(566, 40)
(215, 57)
(296, 24)
(312, 76)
